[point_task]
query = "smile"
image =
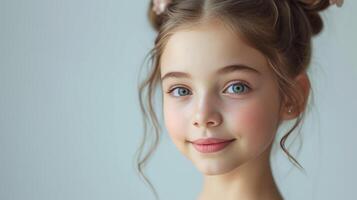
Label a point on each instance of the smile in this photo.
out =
(210, 148)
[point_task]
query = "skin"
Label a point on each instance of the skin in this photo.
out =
(205, 104)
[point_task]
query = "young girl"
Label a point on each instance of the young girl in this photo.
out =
(231, 72)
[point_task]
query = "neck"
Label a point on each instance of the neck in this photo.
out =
(251, 181)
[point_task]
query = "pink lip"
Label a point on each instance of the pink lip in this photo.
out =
(210, 140)
(211, 145)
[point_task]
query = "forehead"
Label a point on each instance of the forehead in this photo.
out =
(203, 49)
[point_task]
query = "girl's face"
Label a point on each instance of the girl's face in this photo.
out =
(216, 86)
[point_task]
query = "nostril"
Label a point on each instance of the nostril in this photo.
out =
(210, 123)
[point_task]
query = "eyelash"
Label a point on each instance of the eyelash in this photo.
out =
(247, 88)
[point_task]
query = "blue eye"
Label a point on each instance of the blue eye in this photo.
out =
(238, 88)
(180, 90)
(235, 88)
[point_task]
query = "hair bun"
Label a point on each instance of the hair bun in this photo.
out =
(156, 12)
(315, 5)
(312, 9)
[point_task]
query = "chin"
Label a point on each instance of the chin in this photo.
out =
(215, 168)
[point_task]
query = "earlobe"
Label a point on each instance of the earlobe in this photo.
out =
(288, 112)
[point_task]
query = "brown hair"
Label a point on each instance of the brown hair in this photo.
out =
(280, 29)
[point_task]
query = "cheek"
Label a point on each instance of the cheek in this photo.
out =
(174, 121)
(254, 123)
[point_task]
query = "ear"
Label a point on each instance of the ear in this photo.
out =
(303, 89)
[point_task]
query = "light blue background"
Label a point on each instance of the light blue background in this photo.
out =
(70, 119)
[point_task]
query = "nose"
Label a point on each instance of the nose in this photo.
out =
(207, 114)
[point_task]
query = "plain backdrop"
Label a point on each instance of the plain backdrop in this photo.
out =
(70, 120)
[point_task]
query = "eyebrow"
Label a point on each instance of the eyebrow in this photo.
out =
(221, 71)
